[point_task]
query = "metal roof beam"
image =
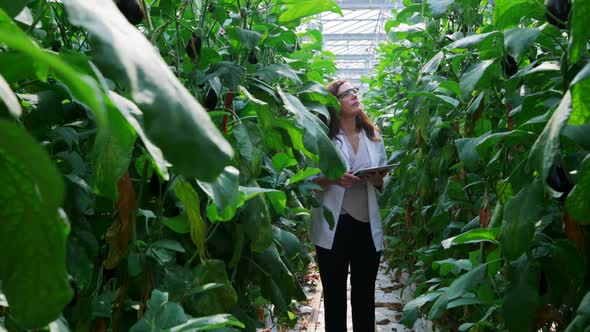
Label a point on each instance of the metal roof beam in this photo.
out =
(370, 4)
(353, 36)
(353, 72)
(360, 56)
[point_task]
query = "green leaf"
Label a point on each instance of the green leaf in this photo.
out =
(250, 142)
(160, 315)
(470, 79)
(112, 152)
(288, 241)
(249, 38)
(458, 288)
(508, 13)
(432, 65)
(224, 193)
(230, 73)
(439, 7)
(582, 319)
(277, 198)
(281, 161)
(473, 236)
(278, 273)
(134, 116)
(547, 145)
(577, 201)
(579, 87)
(520, 215)
(452, 265)
(9, 99)
(32, 232)
(192, 205)
(13, 7)
(516, 41)
(274, 73)
(173, 119)
(579, 30)
(470, 41)
(218, 300)
(208, 323)
(331, 161)
(303, 174)
(521, 298)
(467, 149)
(82, 87)
(179, 224)
(295, 9)
(256, 219)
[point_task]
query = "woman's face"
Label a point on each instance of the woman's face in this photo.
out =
(350, 105)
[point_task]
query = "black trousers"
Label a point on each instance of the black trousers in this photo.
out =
(353, 246)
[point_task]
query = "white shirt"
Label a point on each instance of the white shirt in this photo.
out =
(356, 202)
(332, 199)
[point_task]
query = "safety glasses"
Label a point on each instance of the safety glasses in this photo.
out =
(348, 93)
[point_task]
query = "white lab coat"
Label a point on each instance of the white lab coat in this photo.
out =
(332, 197)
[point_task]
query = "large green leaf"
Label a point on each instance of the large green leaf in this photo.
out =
(173, 119)
(432, 65)
(274, 73)
(134, 116)
(224, 193)
(508, 13)
(547, 145)
(32, 232)
(578, 45)
(256, 219)
(192, 205)
(470, 41)
(160, 315)
(82, 87)
(277, 198)
(470, 79)
(577, 201)
(439, 7)
(250, 143)
(467, 149)
(213, 322)
(458, 288)
(580, 97)
(520, 215)
(218, 300)
(9, 99)
(295, 9)
(522, 296)
(13, 7)
(112, 152)
(278, 273)
(582, 319)
(331, 161)
(517, 40)
(473, 236)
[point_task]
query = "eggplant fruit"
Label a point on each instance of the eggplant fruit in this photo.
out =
(193, 47)
(559, 9)
(559, 180)
(132, 10)
(509, 65)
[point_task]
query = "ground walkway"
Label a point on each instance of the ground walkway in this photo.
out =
(390, 296)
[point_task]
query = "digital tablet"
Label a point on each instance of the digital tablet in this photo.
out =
(366, 171)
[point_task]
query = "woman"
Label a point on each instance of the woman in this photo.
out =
(356, 240)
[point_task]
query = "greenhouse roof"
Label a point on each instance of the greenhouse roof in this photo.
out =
(354, 37)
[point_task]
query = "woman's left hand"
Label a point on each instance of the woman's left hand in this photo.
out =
(375, 178)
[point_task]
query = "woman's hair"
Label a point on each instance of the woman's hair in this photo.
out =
(362, 120)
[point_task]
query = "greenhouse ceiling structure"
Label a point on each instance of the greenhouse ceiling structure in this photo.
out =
(354, 37)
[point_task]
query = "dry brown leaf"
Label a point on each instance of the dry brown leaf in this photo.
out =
(118, 234)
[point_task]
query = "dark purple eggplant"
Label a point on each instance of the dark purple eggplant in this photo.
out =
(559, 9)
(132, 10)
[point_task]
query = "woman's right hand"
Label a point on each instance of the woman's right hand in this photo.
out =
(346, 181)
